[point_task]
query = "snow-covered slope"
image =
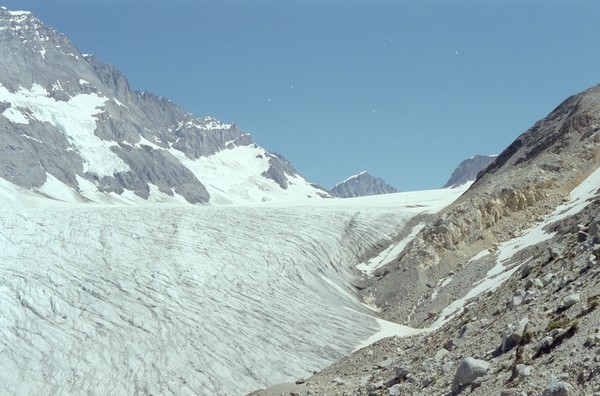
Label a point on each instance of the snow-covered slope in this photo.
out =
(72, 123)
(179, 299)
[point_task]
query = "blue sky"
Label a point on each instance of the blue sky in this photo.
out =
(403, 89)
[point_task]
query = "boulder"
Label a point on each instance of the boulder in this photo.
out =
(514, 335)
(517, 298)
(394, 390)
(547, 278)
(570, 300)
(523, 370)
(441, 354)
(533, 283)
(469, 370)
(402, 372)
(594, 230)
(558, 388)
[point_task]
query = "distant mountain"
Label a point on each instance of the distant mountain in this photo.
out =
(361, 185)
(72, 129)
(468, 169)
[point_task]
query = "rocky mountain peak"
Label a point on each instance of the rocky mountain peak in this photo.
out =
(468, 170)
(119, 143)
(362, 184)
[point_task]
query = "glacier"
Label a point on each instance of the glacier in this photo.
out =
(181, 299)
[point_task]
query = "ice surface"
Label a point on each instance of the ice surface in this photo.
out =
(174, 299)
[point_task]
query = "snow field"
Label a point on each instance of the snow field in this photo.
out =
(180, 299)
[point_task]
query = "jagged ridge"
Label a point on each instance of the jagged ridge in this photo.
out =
(361, 185)
(135, 142)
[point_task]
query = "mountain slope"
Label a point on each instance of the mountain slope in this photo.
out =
(527, 181)
(67, 119)
(361, 185)
(503, 282)
(468, 169)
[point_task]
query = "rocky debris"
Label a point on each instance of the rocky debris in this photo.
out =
(517, 190)
(542, 319)
(467, 372)
(521, 346)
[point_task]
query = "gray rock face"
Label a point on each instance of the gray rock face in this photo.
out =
(468, 371)
(467, 170)
(361, 185)
(130, 137)
(279, 167)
